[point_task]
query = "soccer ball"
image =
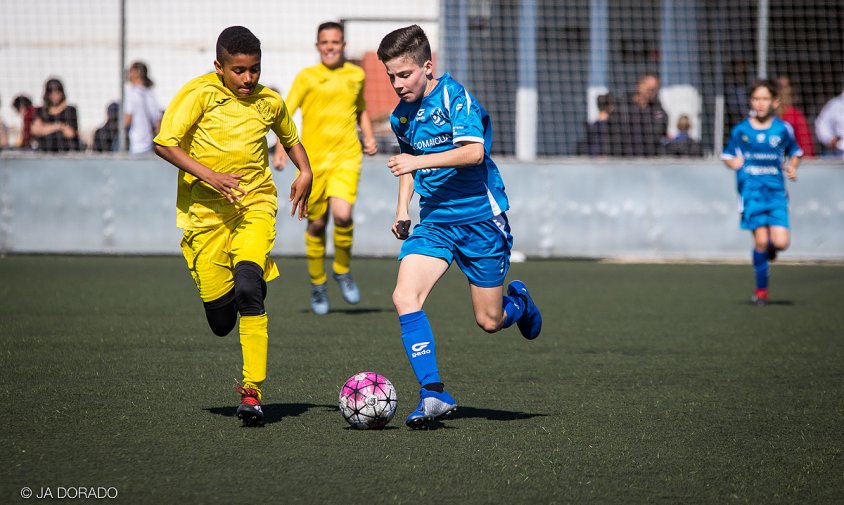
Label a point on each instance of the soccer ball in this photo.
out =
(368, 401)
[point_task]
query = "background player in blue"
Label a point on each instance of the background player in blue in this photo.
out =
(445, 137)
(757, 151)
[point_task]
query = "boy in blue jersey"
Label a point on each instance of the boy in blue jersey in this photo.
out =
(445, 137)
(757, 151)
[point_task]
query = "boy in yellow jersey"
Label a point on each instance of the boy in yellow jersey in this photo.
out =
(331, 97)
(215, 132)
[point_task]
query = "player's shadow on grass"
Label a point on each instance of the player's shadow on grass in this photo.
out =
(274, 412)
(492, 414)
(353, 311)
(780, 303)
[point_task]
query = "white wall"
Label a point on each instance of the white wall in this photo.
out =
(655, 209)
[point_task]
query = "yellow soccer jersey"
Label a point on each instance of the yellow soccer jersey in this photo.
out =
(226, 133)
(330, 102)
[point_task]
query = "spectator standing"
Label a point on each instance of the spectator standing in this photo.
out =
(56, 124)
(791, 114)
(141, 114)
(639, 125)
(683, 145)
(829, 126)
(598, 133)
(23, 105)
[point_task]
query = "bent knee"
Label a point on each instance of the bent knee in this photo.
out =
(250, 289)
(406, 301)
(488, 323)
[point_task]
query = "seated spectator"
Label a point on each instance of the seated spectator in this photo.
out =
(639, 124)
(56, 124)
(598, 133)
(792, 115)
(105, 138)
(23, 105)
(829, 126)
(683, 145)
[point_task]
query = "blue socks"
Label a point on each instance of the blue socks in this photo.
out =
(760, 266)
(418, 339)
(514, 308)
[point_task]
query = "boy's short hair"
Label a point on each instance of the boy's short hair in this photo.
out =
(331, 25)
(770, 85)
(237, 40)
(409, 41)
(684, 124)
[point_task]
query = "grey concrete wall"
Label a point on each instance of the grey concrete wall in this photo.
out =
(560, 208)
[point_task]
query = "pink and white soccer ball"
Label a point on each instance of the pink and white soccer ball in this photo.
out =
(368, 400)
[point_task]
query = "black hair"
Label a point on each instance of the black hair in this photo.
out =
(770, 85)
(331, 25)
(21, 101)
(409, 41)
(143, 72)
(53, 84)
(237, 40)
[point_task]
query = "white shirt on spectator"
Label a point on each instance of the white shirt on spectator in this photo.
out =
(146, 113)
(830, 124)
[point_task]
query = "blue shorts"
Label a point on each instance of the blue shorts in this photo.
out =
(763, 207)
(482, 250)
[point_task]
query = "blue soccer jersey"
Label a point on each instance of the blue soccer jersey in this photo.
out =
(440, 121)
(764, 152)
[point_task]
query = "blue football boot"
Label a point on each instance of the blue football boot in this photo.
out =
(319, 299)
(348, 288)
(530, 324)
(432, 405)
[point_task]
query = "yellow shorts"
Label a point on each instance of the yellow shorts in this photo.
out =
(212, 253)
(338, 180)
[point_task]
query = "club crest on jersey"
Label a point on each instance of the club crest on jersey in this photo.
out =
(263, 107)
(437, 117)
(774, 140)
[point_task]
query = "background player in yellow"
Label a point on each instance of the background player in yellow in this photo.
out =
(215, 132)
(331, 97)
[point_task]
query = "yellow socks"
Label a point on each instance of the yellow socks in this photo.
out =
(315, 254)
(254, 343)
(343, 248)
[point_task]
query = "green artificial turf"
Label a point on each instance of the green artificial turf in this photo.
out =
(649, 384)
